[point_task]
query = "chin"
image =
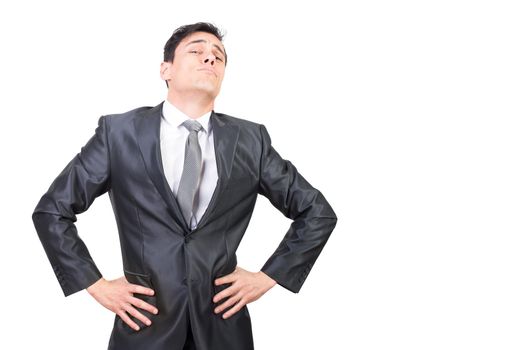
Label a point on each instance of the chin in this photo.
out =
(209, 89)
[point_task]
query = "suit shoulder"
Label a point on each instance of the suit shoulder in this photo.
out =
(243, 123)
(126, 120)
(129, 114)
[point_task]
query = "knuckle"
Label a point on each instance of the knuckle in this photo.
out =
(130, 309)
(133, 311)
(118, 309)
(149, 308)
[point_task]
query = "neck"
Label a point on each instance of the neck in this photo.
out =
(193, 106)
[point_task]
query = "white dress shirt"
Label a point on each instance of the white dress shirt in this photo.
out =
(173, 136)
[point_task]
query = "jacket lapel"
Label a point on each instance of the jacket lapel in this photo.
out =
(225, 136)
(147, 127)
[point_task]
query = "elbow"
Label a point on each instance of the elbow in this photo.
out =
(39, 221)
(35, 216)
(333, 222)
(330, 213)
(334, 216)
(332, 219)
(43, 214)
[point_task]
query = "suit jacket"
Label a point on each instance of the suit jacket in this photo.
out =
(158, 250)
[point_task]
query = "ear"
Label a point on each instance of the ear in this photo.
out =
(165, 70)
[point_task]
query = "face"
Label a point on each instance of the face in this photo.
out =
(198, 66)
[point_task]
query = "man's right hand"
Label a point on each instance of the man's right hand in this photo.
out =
(117, 296)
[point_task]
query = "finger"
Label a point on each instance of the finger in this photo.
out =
(143, 305)
(225, 293)
(136, 314)
(135, 288)
(226, 279)
(229, 302)
(128, 320)
(234, 309)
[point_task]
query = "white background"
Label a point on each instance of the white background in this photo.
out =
(407, 115)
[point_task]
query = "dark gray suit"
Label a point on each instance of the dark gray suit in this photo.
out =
(158, 250)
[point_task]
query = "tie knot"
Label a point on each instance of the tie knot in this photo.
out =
(192, 125)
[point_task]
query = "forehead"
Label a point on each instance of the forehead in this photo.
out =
(201, 37)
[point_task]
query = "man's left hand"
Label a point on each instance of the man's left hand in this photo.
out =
(246, 287)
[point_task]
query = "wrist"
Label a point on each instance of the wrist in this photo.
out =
(92, 289)
(271, 282)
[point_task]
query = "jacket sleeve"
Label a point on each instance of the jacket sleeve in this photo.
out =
(86, 177)
(313, 218)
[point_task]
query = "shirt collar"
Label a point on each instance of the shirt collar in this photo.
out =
(175, 117)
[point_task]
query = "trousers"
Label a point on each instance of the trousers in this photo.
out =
(190, 341)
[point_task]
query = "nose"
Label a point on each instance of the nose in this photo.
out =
(210, 59)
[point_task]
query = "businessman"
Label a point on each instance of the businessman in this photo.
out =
(183, 181)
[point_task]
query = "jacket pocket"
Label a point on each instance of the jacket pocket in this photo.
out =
(138, 278)
(145, 281)
(226, 270)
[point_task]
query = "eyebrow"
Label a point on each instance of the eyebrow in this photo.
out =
(205, 41)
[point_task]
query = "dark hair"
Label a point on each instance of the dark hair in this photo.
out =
(184, 31)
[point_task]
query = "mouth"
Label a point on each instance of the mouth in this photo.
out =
(207, 71)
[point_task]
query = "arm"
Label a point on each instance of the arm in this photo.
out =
(313, 218)
(86, 177)
(313, 222)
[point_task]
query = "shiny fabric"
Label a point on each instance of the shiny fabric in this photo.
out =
(158, 250)
(191, 174)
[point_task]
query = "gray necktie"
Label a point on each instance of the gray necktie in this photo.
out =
(188, 187)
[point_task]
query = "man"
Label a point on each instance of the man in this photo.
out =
(183, 181)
